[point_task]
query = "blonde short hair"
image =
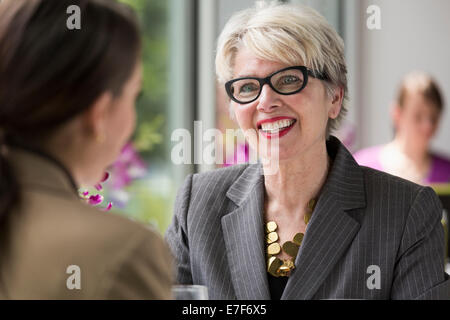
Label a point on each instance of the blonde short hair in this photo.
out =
(290, 34)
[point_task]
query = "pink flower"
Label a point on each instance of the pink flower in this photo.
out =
(128, 166)
(125, 169)
(108, 207)
(94, 200)
(105, 176)
(98, 198)
(98, 186)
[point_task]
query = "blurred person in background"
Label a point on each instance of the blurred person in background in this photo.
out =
(416, 115)
(67, 107)
(319, 225)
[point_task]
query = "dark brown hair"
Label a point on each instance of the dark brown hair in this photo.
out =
(49, 74)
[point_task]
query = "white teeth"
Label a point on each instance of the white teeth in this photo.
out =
(276, 126)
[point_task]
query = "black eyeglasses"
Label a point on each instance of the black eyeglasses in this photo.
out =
(286, 81)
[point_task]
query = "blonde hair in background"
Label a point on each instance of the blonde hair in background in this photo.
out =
(423, 83)
(290, 34)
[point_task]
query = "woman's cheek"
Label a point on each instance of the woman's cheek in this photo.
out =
(244, 119)
(250, 113)
(241, 117)
(133, 120)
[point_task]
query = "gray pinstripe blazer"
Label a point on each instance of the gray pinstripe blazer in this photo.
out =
(363, 217)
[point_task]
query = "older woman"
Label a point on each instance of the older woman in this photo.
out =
(322, 226)
(67, 107)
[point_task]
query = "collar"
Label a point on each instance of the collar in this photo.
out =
(36, 169)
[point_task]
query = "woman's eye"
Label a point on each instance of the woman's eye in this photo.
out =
(249, 87)
(289, 79)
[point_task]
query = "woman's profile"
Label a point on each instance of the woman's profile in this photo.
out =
(67, 107)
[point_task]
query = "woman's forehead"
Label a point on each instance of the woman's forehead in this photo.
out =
(416, 101)
(249, 64)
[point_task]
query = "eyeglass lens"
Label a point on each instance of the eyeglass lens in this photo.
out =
(285, 82)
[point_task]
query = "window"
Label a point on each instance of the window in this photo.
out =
(143, 181)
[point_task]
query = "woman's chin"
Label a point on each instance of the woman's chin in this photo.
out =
(281, 149)
(282, 154)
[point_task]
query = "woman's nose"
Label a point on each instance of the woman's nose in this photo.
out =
(268, 99)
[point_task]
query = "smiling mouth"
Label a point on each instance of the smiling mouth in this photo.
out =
(276, 127)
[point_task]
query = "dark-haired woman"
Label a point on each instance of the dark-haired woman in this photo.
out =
(67, 106)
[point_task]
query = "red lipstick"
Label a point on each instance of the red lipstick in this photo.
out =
(280, 133)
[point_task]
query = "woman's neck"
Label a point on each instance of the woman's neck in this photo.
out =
(298, 180)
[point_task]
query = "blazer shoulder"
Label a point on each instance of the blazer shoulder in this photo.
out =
(373, 175)
(86, 230)
(72, 233)
(400, 194)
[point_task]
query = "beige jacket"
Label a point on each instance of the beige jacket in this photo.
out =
(52, 230)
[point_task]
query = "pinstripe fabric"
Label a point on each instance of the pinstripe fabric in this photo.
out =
(363, 217)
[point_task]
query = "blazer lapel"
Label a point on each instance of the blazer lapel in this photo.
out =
(328, 234)
(244, 236)
(331, 229)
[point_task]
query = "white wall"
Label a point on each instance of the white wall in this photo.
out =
(228, 7)
(414, 35)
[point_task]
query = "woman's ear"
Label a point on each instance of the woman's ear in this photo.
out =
(395, 110)
(95, 118)
(336, 102)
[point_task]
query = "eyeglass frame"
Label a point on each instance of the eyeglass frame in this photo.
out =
(262, 81)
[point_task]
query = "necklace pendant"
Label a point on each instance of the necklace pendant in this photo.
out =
(286, 268)
(307, 217)
(274, 249)
(273, 264)
(271, 237)
(271, 226)
(298, 238)
(290, 248)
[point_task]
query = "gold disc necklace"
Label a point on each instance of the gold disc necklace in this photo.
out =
(281, 267)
